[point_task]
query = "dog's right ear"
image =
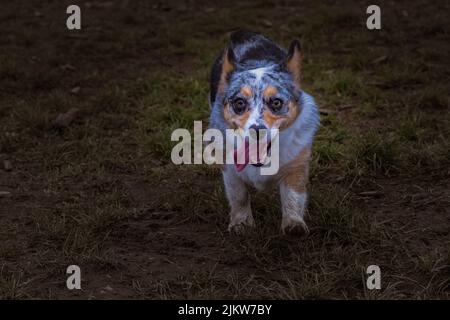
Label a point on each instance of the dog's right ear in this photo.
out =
(294, 61)
(228, 65)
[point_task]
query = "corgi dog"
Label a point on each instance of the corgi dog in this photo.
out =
(255, 85)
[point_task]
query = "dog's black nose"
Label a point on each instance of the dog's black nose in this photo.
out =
(256, 133)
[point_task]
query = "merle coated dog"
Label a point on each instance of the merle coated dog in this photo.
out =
(256, 85)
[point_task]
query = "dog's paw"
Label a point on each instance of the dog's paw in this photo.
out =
(239, 226)
(294, 225)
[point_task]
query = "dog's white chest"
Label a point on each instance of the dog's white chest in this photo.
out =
(291, 142)
(252, 176)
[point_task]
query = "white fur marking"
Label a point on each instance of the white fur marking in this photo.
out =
(293, 205)
(238, 198)
(293, 202)
(259, 73)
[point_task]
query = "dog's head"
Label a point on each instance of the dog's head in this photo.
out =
(266, 97)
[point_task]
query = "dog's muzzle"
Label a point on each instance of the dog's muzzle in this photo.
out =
(255, 149)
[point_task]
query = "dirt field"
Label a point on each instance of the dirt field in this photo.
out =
(103, 194)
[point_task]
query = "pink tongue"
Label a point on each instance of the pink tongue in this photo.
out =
(241, 166)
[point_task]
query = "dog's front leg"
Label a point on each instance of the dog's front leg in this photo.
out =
(294, 195)
(239, 200)
(293, 203)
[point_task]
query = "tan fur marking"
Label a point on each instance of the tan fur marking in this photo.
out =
(270, 91)
(242, 119)
(235, 121)
(271, 119)
(246, 91)
(294, 66)
(294, 110)
(282, 121)
(228, 115)
(295, 174)
(227, 68)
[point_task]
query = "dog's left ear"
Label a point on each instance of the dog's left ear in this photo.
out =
(228, 66)
(294, 60)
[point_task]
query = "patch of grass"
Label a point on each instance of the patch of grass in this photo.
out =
(234, 285)
(427, 154)
(339, 83)
(35, 115)
(78, 226)
(333, 212)
(44, 80)
(12, 286)
(311, 286)
(266, 208)
(112, 100)
(410, 129)
(172, 103)
(196, 199)
(201, 285)
(329, 143)
(36, 119)
(372, 153)
(423, 142)
(403, 76)
(433, 99)
(368, 110)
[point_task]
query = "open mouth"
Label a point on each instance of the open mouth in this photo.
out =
(257, 153)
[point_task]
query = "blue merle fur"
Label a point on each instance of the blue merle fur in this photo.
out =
(249, 51)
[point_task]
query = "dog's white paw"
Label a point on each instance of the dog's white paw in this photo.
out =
(293, 224)
(240, 223)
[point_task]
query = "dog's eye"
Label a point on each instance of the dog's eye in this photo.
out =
(275, 105)
(239, 105)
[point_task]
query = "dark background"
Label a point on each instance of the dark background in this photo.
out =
(101, 192)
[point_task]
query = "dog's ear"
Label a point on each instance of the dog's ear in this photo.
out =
(294, 61)
(228, 65)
